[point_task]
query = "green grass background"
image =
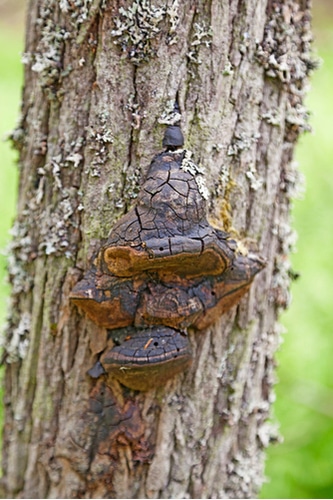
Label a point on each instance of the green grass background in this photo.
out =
(301, 467)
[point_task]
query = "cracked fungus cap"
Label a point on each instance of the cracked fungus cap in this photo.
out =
(167, 230)
(148, 357)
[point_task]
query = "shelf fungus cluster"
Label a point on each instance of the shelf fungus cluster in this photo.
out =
(163, 269)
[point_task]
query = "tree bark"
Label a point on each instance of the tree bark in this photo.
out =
(100, 78)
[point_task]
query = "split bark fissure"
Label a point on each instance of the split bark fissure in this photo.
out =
(91, 124)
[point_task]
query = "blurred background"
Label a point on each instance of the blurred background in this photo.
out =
(302, 466)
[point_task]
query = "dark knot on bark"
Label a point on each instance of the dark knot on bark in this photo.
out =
(173, 138)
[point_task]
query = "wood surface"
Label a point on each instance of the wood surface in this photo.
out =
(101, 79)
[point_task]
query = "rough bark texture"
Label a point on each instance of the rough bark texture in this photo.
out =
(100, 78)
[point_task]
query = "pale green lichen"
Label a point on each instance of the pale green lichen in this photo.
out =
(198, 172)
(55, 222)
(100, 139)
(172, 12)
(140, 24)
(80, 15)
(292, 185)
(283, 273)
(19, 252)
(55, 167)
(135, 29)
(135, 109)
(244, 43)
(169, 116)
(75, 158)
(228, 69)
(298, 117)
(255, 181)
(293, 181)
(132, 185)
(281, 53)
(46, 60)
(245, 473)
(224, 177)
(64, 6)
(202, 36)
(268, 433)
(55, 228)
(242, 142)
(223, 373)
(17, 345)
(17, 136)
(81, 11)
(273, 117)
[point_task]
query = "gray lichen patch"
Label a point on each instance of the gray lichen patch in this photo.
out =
(280, 52)
(292, 187)
(293, 181)
(273, 117)
(136, 28)
(20, 252)
(224, 177)
(132, 186)
(245, 474)
(228, 69)
(72, 152)
(255, 181)
(46, 61)
(172, 12)
(297, 117)
(242, 142)
(78, 10)
(283, 273)
(54, 232)
(202, 36)
(17, 345)
(286, 55)
(169, 115)
(81, 14)
(100, 139)
(198, 172)
(137, 113)
(55, 226)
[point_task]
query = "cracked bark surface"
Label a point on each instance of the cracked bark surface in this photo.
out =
(90, 126)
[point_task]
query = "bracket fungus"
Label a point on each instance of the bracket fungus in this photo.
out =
(163, 269)
(147, 357)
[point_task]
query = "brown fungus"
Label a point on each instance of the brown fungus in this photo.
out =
(167, 230)
(163, 269)
(148, 357)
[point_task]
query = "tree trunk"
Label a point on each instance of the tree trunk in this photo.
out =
(101, 77)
